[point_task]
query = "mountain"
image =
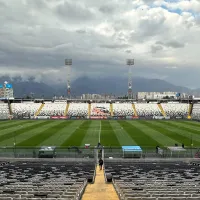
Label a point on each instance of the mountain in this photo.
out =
(101, 85)
(119, 85)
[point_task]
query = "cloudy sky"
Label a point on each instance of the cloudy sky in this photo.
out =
(162, 36)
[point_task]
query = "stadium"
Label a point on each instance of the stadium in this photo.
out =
(150, 149)
(99, 100)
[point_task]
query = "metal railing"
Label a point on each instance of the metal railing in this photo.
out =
(94, 153)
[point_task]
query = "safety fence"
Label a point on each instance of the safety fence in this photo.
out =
(95, 153)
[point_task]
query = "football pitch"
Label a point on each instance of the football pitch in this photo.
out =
(63, 133)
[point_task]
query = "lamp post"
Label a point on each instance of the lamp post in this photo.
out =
(130, 63)
(68, 63)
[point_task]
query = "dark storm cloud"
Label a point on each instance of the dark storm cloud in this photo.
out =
(81, 31)
(74, 11)
(36, 36)
(172, 43)
(128, 51)
(156, 48)
(114, 46)
(107, 9)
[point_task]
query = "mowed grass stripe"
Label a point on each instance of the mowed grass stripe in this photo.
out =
(8, 121)
(193, 123)
(189, 135)
(108, 136)
(196, 128)
(21, 131)
(186, 125)
(170, 132)
(76, 138)
(18, 127)
(58, 138)
(10, 127)
(39, 138)
(123, 137)
(180, 125)
(154, 133)
(137, 134)
(30, 133)
(11, 124)
(92, 136)
(185, 132)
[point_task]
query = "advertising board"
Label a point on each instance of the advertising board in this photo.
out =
(98, 117)
(59, 117)
(42, 117)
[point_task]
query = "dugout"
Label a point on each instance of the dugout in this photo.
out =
(47, 152)
(132, 151)
(177, 151)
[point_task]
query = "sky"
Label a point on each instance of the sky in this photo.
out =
(163, 37)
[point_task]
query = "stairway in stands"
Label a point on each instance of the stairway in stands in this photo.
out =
(190, 111)
(161, 109)
(111, 109)
(100, 189)
(135, 111)
(89, 109)
(10, 108)
(40, 108)
(66, 109)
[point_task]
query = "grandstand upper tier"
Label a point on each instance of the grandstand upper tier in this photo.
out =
(91, 110)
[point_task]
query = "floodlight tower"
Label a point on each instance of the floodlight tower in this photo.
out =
(130, 63)
(68, 63)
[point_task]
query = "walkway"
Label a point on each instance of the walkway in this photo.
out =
(100, 190)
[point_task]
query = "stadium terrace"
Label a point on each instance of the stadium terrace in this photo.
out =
(50, 149)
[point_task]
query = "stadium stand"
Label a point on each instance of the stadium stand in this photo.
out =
(78, 109)
(196, 111)
(123, 109)
(176, 109)
(4, 111)
(41, 179)
(53, 109)
(21, 110)
(100, 109)
(147, 109)
(154, 180)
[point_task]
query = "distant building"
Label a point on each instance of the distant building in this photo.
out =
(96, 96)
(160, 95)
(6, 90)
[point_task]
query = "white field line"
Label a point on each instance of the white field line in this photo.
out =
(100, 132)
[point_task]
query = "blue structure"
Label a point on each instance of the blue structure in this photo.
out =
(132, 148)
(9, 86)
(132, 151)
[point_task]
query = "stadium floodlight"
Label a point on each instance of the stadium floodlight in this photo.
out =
(130, 63)
(68, 63)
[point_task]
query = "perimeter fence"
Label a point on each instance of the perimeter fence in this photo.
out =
(95, 153)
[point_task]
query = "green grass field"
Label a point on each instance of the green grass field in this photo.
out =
(65, 133)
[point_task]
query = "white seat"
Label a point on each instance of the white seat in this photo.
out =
(123, 109)
(147, 109)
(176, 109)
(196, 111)
(78, 109)
(53, 109)
(27, 109)
(4, 111)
